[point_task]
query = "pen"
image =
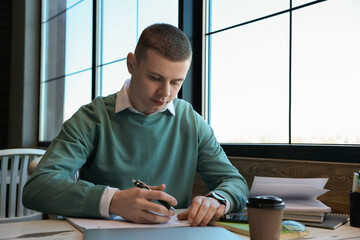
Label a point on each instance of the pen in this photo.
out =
(140, 184)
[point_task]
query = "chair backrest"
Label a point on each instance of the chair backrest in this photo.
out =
(13, 176)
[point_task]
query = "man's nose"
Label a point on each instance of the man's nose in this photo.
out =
(164, 90)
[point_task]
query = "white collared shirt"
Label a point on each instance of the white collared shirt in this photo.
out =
(123, 102)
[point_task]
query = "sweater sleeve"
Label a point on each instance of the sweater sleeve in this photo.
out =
(51, 188)
(217, 171)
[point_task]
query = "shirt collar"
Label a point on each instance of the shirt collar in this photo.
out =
(123, 102)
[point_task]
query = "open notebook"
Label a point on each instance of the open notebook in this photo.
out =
(118, 222)
(299, 194)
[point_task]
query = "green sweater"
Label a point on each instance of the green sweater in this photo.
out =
(111, 149)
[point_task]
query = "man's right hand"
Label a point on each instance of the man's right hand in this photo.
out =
(134, 204)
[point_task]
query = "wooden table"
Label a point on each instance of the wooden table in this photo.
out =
(345, 232)
(61, 229)
(43, 229)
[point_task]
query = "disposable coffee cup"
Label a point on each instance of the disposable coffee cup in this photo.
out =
(265, 215)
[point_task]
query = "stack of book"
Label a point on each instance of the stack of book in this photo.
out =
(316, 217)
(330, 221)
(300, 197)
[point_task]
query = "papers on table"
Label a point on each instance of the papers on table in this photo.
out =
(299, 194)
(118, 222)
(117, 227)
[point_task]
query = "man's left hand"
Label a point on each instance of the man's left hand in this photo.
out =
(202, 211)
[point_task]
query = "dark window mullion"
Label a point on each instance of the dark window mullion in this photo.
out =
(190, 21)
(209, 20)
(290, 68)
(94, 50)
(100, 50)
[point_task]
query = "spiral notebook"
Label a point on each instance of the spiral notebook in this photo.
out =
(331, 221)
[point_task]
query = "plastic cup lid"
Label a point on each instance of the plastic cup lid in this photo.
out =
(265, 201)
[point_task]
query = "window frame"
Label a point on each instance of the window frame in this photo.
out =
(192, 22)
(346, 153)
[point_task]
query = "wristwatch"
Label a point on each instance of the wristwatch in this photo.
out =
(218, 197)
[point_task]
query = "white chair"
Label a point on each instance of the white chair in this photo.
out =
(13, 175)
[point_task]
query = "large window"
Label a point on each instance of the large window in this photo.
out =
(284, 71)
(84, 49)
(281, 76)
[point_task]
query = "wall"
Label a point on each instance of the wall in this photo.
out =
(25, 73)
(5, 59)
(19, 72)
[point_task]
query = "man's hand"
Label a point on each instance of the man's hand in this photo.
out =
(202, 211)
(134, 204)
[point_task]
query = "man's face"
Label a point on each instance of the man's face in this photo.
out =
(155, 81)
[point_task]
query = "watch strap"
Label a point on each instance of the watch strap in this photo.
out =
(217, 197)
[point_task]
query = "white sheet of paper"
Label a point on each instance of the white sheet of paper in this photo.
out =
(289, 188)
(313, 205)
(118, 222)
(299, 194)
(289, 191)
(316, 182)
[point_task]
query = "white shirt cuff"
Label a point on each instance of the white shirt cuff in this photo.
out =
(105, 201)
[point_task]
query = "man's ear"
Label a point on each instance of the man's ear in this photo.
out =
(131, 62)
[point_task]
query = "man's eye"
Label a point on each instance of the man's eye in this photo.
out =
(175, 83)
(155, 78)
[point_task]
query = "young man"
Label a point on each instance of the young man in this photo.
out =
(143, 132)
